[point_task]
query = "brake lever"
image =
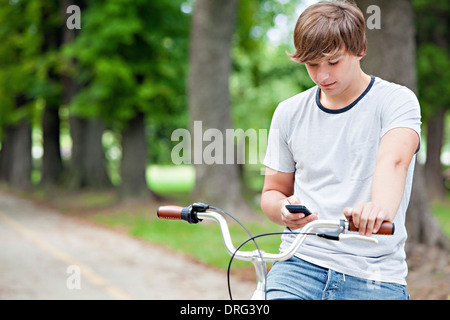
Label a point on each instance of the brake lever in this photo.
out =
(339, 234)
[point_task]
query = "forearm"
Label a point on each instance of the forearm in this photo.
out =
(394, 156)
(388, 186)
(271, 204)
(276, 194)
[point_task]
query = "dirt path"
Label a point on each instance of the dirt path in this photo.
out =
(45, 255)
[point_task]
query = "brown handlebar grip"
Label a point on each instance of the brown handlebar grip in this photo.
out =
(169, 212)
(387, 228)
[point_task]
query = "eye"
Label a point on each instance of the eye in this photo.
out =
(333, 63)
(312, 64)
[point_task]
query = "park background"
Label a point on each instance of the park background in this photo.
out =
(87, 115)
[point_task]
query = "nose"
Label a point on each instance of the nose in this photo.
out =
(322, 75)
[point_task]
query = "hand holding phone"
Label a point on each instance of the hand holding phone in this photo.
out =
(297, 208)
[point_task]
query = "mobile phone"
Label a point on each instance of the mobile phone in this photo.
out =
(296, 208)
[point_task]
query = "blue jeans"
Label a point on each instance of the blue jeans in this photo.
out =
(299, 279)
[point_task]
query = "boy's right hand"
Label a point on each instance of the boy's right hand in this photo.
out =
(294, 220)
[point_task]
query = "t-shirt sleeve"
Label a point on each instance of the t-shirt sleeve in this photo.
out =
(279, 155)
(401, 110)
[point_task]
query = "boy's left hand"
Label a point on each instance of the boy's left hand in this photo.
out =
(367, 216)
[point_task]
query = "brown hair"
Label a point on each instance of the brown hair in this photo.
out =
(324, 28)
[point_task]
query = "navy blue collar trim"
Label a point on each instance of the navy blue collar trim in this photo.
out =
(351, 105)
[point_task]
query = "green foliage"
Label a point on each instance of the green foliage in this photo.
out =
(28, 59)
(20, 43)
(432, 66)
(263, 74)
(432, 29)
(257, 88)
(132, 58)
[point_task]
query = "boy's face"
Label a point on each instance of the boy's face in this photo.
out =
(336, 75)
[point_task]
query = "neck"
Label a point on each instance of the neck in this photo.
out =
(348, 95)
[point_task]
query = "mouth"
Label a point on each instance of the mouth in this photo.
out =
(327, 85)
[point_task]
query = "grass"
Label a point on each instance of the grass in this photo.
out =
(167, 180)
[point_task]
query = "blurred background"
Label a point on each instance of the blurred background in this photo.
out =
(91, 111)
(94, 108)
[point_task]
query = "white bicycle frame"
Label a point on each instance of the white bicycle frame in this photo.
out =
(255, 256)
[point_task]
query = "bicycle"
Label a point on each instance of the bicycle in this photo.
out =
(198, 212)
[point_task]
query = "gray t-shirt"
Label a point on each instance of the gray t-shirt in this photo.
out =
(333, 154)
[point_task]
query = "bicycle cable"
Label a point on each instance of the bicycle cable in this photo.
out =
(260, 254)
(252, 238)
(249, 234)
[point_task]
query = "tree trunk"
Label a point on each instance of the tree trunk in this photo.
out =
(75, 174)
(96, 175)
(134, 159)
(88, 168)
(6, 153)
(21, 164)
(423, 230)
(51, 161)
(52, 166)
(433, 166)
(16, 164)
(217, 184)
(16, 152)
(391, 55)
(434, 32)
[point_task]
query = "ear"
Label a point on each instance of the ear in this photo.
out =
(361, 55)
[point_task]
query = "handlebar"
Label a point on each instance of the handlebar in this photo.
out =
(199, 211)
(169, 212)
(190, 214)
(387, 228)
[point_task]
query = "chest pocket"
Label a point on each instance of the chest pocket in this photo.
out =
(363, 160)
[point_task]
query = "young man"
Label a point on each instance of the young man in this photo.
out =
(344, 147)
